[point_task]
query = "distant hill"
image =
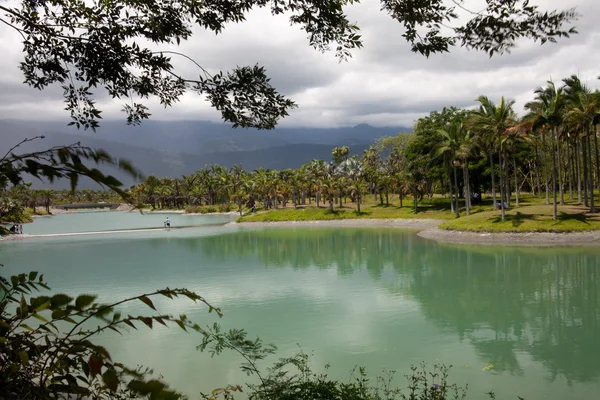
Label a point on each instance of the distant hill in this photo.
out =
(166, 162)
(202, 137)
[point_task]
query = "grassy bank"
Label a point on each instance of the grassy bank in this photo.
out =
(435, 209)
(530, 218)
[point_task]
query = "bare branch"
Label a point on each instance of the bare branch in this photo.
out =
(26, 140)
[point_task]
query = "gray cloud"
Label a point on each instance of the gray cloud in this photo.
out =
(383, 84)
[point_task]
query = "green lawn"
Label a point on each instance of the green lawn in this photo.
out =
(436, 209)
(532, 215)
(529, 218)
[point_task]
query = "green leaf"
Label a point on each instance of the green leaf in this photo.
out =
(24, 357)
(40, 303)
(148, 302)
(128, 322)
(60, 299)
(85, 367)
(24, 308)
(95, 364)
(147, 321)
(84, 300)
(181, 325)
(58, 314)
(33, 275)
(111, 379)
(38, 316)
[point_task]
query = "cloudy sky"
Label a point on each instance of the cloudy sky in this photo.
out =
(384, 84)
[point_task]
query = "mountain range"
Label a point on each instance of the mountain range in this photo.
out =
(175, 148)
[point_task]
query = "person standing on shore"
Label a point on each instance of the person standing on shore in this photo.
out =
(167, 223)
(21, 229)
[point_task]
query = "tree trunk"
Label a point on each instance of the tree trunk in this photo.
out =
(467, 189)
(331, 205)
(456, 189)
(387, 200)
(493, 176)
(578, 168)
(595, 139)
(554, 211)
(537, 170)
(545, 167)
(516, 182)
(358, 202)
(501, 178)
(451, 197)
(415, 201)
(559, 168)
(569, 169)
(591, 174)
(507, 180)
(585, 171)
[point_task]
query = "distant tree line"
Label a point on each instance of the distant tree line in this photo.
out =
(552, 151)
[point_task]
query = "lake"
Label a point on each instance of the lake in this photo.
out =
(518, 321)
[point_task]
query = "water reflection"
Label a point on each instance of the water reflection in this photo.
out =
(505, 302)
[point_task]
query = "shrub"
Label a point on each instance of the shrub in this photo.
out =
(40, 361)
(226, 207)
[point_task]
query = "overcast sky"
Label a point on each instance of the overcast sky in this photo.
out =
(384, 84)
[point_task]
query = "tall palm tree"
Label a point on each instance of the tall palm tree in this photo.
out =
(352, 169)
(583, 108)
(448, 148)
(492, 121)
(515, 136)
(551, 116)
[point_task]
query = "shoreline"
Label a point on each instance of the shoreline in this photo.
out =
(545, 239)
(413, 223)
(427, 229)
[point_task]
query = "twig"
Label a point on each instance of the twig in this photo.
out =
(14, 27)
(19, 144)
(466, 9)
(185, 56)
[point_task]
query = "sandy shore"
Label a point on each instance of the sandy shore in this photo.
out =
(403, 223)
(591, 238)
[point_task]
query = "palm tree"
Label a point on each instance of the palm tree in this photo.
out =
(353, 170)
(493, 120)
(582, 112)
(467, 146)
(550, 116)
(328, 190)
(448, 148)
(515, 136)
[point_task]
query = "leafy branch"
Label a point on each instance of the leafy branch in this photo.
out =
(42, 361)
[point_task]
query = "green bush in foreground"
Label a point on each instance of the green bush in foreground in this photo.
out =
(46, 352)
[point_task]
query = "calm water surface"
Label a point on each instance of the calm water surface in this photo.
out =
(519, 321)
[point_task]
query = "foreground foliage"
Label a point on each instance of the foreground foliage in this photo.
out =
(46, 348)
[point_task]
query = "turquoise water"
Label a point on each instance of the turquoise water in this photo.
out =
(518, 321)
(114, 221)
